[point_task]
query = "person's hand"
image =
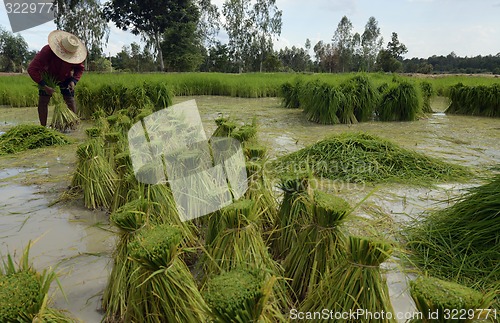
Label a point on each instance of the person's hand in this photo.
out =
(48, 90)
(71, 86)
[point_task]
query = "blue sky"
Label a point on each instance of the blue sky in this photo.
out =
(426, 27)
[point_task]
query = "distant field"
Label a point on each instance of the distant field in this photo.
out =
(18, 90)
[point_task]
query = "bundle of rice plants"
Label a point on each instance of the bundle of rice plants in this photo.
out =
(355, 285)
(322, 103)
(164, 290)
(129, 218)
(224, 127)
(427, 93)
(159, 94)
(24, 292)
(363, 97)
(93, 132)
(127, 185)
(245, 132)
(290, 94)
(111, 97)
(477, 100)
(401, 102)
(254, 151)
(234, 239)
(23, 137)
(446, 302)
(319, 246)
(292, 212)
(242, 295)
(360, 157)
(85, 98)
(94, 175)
(63, 119)
(460, 242)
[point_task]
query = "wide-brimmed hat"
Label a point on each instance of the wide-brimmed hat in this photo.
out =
(67, 47)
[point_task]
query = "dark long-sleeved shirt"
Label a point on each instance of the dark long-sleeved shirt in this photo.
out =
(46, 61)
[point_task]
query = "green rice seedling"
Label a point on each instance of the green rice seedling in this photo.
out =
(86, 99)
(111, 97)
(63, 119)
(427, 94)
(23, 137)
(290, 94)
(361, 157)
(94, 175)
(224, 127)
(242, 295)
(164, 290)
(160, 95)
(234, 239)
(460, 242)
(446, 302)
(401, 102)
(24, 292)
(245, 132)
(355, 285)
(129, 218)
(292, 212)
(320, 244)
(322, 103)
(127, 186)
(93, 132)
(480, 100)
(363, 97)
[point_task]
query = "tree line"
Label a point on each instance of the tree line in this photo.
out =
(181, 35)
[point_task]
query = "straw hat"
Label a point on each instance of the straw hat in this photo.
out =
(67, 47)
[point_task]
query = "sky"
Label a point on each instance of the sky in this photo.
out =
(426, 27)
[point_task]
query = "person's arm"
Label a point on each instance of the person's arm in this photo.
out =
(38, 65)
(77, 73)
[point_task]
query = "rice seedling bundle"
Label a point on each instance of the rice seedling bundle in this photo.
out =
(322, 103)
(234, 239)
(164, 290)
(129, 218)
(400, 102)
(160, 95)
(63, 119)
(320, 244)
(427, 93)
(224, 127)
(127, 186)
(111, 97)
(94, 175)
(292, 212)
(461, 242)
(355, 284)
(447, 301)
(361, 157)
(86, 100)
(23, 137)
(242, 295)
(290, 94)
(361, 99)
(24, 292)
(480, 100)
(93, 132)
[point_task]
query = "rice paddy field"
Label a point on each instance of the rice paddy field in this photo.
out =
(370, 205)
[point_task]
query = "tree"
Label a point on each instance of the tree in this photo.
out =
(343, 41)
(387, 63)
(327, 56)
(395, 48)
(239, 29)
(267, 21)
(13, 52)
(181, 43)
(208, 23)
(371, 43)
(149, 18)
(84, 19)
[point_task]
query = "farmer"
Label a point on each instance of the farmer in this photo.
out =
(62, 59)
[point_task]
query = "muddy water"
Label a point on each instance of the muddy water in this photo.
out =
(79, 243)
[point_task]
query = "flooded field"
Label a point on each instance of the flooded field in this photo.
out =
(79, 242)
